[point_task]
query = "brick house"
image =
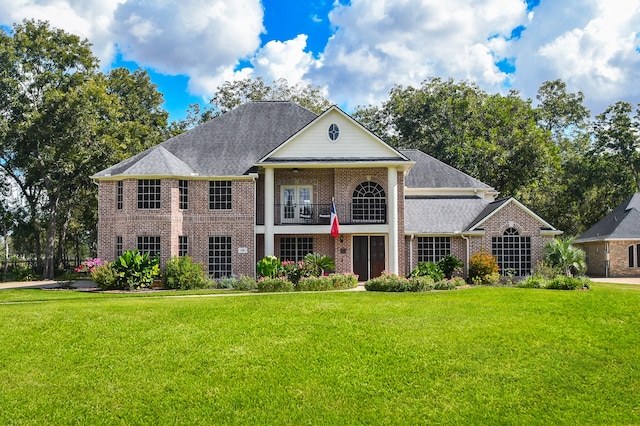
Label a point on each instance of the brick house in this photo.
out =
(260, 179)
(612, 245)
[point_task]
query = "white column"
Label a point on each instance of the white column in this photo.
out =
(392, 215)
(269, 205)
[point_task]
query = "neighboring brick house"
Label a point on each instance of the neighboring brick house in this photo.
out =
(612, 245)
(259, 180)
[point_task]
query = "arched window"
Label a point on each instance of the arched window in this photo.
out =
(513, 252)
(369, 203)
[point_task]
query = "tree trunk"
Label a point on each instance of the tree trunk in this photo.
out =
(6, 251)
(50, 243)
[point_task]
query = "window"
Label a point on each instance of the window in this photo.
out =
(295, 248)
(119, 195)
(369, 203)
(183, 188)
(296, 204)
(118, 246)
(149, 245)
(219, 257)
(333, 132)
(634, 256)
(432, 249)
(220, 195)
(183, 245)
(148, 193)
(513, 252)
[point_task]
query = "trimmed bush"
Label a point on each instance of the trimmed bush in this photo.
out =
(483, 268)
(245, 283)
(315, 284)
(387, 282)
(344, 281)
(445, 285)
(273, 285)
(182, 273)
(421, 284)
(533, 281)
(106, 277)
(562, 282)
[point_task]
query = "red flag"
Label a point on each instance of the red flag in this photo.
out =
(335, 226)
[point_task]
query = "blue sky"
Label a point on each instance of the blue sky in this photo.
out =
(357, 50)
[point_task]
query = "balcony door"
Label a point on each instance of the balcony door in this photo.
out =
(368, 256)
(296, 203)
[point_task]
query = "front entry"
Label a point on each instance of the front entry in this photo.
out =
(368, 256)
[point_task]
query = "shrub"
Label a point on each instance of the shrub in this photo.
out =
(483, 268)
(428, 269)
(315, 284)
(561, 254)
(105, 276)
(533, 281)
(87, 266)
(563, 282)
(319, 264)
(344, 281)
(450, 266)
(458, 281)
(136, 270)
(387, 282)
(272, 285)
(23, 273)
(445, 285)
(421, 284)
(245, 283)
(293, 271)
(182, 273)
(268, 267)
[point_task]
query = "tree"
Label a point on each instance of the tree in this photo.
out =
(559, 253)
(235, 93)
(62, 121)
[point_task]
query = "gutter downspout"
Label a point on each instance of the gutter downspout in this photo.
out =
(411, 252)
(466, 264)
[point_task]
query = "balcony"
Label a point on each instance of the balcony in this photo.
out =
(361, 213)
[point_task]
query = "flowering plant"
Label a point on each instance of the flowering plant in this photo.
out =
(89, 265)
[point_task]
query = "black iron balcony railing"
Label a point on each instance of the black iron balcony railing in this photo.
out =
(365, 212)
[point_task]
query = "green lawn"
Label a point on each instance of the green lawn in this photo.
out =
(474, 356)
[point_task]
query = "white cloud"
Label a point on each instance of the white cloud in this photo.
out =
(590, 45)
(379, 43)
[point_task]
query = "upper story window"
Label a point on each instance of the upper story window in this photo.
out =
(220, 195)
(183, 188)
(432, 249)
(333, 132)
(119, 194)
(369, 203)
(148, 193)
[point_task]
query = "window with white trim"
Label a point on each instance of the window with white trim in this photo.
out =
(220, 195)
(513, 252)
(220, 256)
(369, 203)
(295, 248)
(149, 194)
(149, 244)
(432, 249)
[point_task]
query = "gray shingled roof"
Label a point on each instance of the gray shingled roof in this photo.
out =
(228, 145)
(490, 208)
(622, 223)
(429, 172)
(423, 215)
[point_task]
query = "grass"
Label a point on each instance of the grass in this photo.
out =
(475, 356)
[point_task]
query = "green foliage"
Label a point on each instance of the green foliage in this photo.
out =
(344, 281)
(182, 273)
(274, 285)
(315, 284)
(450, 266)
(393, 283)
(136, 270)
(268, 267)
(24, 273)
(319, 263)
(106, 277)
(421, 283)
(445, 285)
(428, 269)
(533, 281)
(559, 253)
(483, 268)
(244, 283)
(563, 282)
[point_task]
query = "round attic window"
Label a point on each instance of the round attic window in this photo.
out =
(334, 132)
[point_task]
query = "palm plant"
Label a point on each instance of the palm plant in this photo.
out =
(560, 254)
(320, 263)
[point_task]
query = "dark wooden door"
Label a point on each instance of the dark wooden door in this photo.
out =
(376, 249)
(361, 257)
(368, 256)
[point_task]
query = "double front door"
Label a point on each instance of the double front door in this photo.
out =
(296, 204)
(368, 256)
